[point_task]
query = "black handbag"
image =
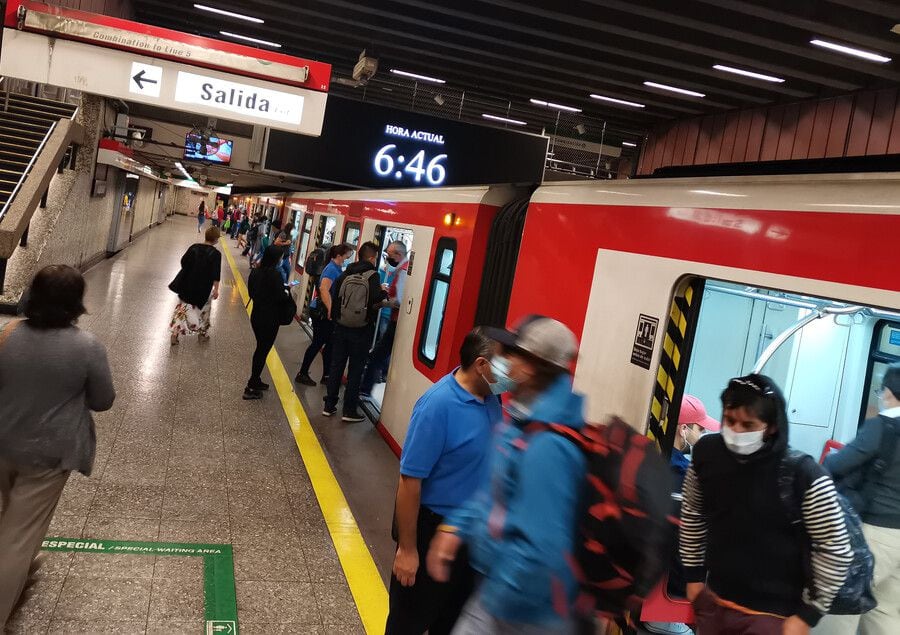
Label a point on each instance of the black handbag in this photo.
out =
(287, 310)
(175, 285)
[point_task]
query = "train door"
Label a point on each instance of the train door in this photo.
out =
(325, 227)
(391, 400)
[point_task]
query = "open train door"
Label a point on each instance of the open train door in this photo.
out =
(392, 401)
(321, 226)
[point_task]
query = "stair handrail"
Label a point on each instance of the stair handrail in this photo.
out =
(27, 171)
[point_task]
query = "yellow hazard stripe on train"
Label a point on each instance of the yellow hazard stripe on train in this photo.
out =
(366, 585)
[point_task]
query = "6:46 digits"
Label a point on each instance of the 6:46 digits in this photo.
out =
(386, 164)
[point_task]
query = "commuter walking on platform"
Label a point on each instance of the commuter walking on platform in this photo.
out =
(268, 295)
(749, 568)
(219, 219)
(379, 358)
(201, 216)
(197, 285)
(867, 471)
(358, 296)
(319, 311)
(521, 530)
(284, 240)
(445, 461)
(52, 375)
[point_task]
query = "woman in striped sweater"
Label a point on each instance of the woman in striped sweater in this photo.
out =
(743, 560)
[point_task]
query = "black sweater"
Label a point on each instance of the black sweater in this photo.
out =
(266, 288)
(201, 266)
(736, 534)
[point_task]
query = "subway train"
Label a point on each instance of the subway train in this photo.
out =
(672, 286)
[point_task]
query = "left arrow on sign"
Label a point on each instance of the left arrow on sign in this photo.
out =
(140, 79)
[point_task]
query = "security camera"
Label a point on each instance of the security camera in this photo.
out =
(365, 68)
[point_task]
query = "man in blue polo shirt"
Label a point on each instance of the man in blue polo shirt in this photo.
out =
(444, 462)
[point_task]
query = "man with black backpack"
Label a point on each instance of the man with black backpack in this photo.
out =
(867, 472)
(357, 297)
(573, 521)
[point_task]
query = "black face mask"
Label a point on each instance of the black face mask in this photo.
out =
(392, 261)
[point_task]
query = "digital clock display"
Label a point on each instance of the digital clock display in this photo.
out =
(364, 145)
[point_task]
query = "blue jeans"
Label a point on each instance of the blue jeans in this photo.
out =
(476, 621)
(285, 268)
(379, 358)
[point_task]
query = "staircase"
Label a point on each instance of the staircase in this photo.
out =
(25, 125)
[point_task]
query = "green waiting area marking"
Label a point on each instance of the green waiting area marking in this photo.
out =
(218, 571)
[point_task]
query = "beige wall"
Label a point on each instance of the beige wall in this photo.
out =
(187, 201)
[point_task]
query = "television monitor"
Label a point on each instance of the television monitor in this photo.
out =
(215, 150)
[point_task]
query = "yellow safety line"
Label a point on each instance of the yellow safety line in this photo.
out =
(365, 583)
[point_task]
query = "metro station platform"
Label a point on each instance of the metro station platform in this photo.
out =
(187, 474)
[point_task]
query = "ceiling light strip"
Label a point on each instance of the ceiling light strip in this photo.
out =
(550, 104)
(674, 89)
(754, 75)
(849, 50)
(633, 104)
(230, 14)
(629, 144)
(424, 78)
(515, 122)
(247, 38)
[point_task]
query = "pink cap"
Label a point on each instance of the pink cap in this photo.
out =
(693, 411)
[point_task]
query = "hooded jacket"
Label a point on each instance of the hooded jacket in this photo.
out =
(736, 534)
(521, 528)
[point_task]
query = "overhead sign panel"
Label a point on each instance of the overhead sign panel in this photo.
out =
(365, 145)
(124, 75)
(151, 41)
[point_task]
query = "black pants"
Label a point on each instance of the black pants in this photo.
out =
(428, 605)
(379, 358)
(323, 329)
(349, 348)
(265, 329)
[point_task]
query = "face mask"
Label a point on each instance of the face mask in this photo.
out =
(743, 443)
(392, 261)
(500, 368)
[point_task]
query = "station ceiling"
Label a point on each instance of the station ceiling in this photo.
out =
(504, 53)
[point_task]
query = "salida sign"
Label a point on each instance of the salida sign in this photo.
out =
(234, 97)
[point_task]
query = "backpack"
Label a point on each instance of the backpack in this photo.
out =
(855, 596)
(354, 299)
(626, 532)
(315, 263)
(287, 309)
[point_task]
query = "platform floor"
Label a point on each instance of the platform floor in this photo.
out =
(181, 458)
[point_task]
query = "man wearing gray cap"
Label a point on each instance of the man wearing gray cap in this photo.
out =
(521, 530)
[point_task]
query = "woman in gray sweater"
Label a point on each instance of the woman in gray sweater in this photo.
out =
(52, 375)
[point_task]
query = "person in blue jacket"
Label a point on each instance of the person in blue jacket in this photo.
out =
(521, 529)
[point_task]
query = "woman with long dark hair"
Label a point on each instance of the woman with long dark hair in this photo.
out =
(320, 312)
(52, 375)
(267, 292)
(197, 285)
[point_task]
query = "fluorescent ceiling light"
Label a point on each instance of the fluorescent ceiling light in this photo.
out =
(187, 174)
(683, 91)
(550, 104)
(740, 71)
(132, 176)
(618, 101)
(230, 14)
(515, 122)
(251, 39)
(629, 144)
(714, 193)
(424, 78)
(849, 50)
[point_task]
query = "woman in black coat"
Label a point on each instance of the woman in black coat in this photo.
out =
(269, 295)
(197, 285)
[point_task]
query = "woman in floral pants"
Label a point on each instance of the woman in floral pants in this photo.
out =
(197, 285)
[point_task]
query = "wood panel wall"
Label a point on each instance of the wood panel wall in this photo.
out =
(865, 123)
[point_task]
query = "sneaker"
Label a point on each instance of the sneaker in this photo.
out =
(305, 379)
(260, 386)
(250, 393)
(327, 412)
(353, 417)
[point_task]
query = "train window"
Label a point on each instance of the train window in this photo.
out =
(437, 300)
(826, 355)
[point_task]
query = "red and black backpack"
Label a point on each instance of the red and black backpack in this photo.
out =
(626, 532)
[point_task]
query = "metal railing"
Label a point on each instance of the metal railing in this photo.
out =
(27, 171)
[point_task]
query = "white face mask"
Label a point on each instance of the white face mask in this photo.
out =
(743, 443)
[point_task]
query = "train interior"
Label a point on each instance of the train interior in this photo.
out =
(827, 356)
